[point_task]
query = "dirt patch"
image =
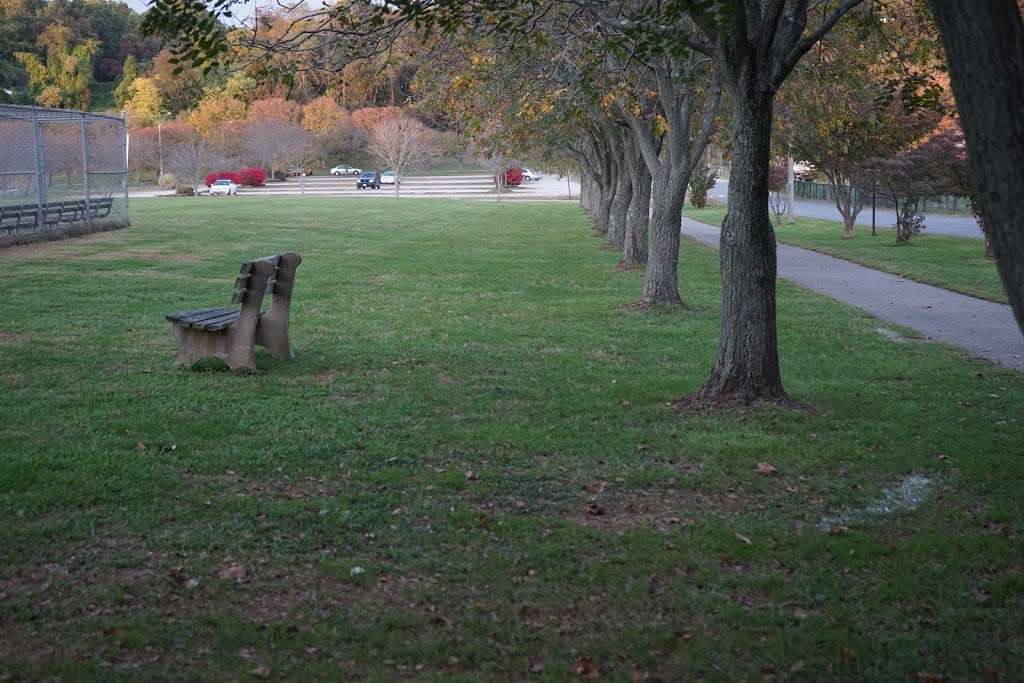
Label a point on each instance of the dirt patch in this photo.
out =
(605, 507)
(300, 488)
(13, 337)
(80, 232)
(142, 255)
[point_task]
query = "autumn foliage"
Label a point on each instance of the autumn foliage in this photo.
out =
(224, 175)
(247, 177)
(253, 176)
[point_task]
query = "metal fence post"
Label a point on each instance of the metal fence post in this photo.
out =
(37, 134)
(124, 178)
(85, 171)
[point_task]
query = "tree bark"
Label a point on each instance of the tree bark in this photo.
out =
(634, 250)
(606, 194)
(661, 277)
(620, 204)
(747, 367)
(984, 44)
(847, 201)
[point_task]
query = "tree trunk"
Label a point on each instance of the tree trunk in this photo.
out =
(605, 196)
(586, 193)
(620, 206)
(984, 44)
(661, 277)
(747, 368)
(847, 203)
(634, 250)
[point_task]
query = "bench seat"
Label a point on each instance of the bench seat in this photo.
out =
(212, 319)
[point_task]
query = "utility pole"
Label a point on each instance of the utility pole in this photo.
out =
(790, 190)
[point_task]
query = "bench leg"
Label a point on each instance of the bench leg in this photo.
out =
(195, 345)
(272, 334)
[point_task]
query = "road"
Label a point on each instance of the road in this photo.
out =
(935, 224)
(441, 186)
(982, 328)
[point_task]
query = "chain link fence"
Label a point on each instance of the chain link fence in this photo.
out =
(62, 173)
(943, 204)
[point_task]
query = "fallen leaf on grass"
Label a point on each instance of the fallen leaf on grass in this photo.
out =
(261, 671)
(766, 469)
(585, 667)
(744, 539)
(595, 509)
(837, 530)
(470, 475)
(234, 572)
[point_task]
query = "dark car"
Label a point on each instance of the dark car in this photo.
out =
(368, 179)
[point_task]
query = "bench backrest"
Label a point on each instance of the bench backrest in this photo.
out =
(270, 275)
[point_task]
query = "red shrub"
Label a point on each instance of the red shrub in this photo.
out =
(514, 176)
(223, 175)
(253, 177)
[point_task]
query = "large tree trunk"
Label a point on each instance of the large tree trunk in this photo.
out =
(661, 277)
(984, 44)
(747, 368)
(634, 250)
(619, 206)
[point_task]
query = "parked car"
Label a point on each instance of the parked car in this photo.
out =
(531, 175)
(389, 178)
(368, 179)
(223, 186)
(342, 169)
(298, 170)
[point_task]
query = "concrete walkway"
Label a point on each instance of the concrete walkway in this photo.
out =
(982, 328)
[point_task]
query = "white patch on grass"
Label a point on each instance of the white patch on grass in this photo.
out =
(891, 335)
(908, 495)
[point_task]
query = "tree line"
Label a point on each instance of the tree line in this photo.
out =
(632, 93)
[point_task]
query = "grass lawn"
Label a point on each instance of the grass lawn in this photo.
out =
(955, 263)
(470, 471)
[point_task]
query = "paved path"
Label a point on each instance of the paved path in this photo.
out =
(983, 328)
(935, 223)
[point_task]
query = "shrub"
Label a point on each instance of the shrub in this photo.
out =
(514, 176)
(702, 180)
(167, 181)
(185, 190)
(252, 177)
(223, 175)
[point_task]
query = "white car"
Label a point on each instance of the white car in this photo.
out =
(389, 178)
(223, 186)
(531, 175)
(342, 169)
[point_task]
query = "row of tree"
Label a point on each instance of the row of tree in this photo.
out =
(632, 92)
